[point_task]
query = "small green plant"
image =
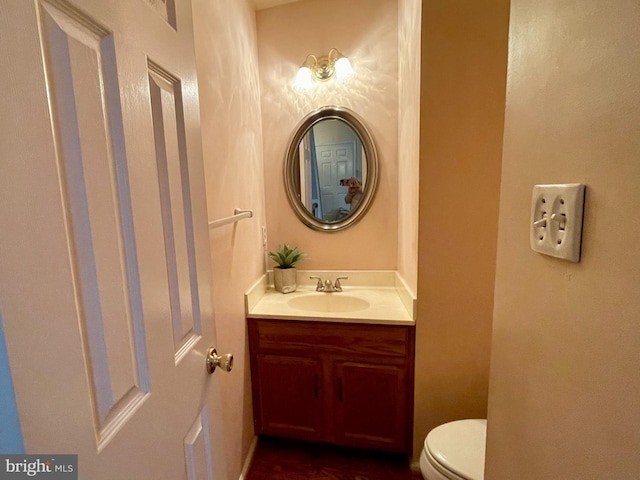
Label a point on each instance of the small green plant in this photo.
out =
(286, 257)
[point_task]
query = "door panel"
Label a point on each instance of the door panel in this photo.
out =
(197, 449)
(105, 282)
(175, 197)
(166, 9)
(371, 405)
(335, 162)
(97, 212)
(290, 396)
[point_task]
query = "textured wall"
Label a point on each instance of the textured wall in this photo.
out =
(565, 391)
(464, 59)
(409, 23)
(367, 32)
(232, 146)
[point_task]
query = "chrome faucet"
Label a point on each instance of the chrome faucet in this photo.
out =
(327, 286)
(337, 286)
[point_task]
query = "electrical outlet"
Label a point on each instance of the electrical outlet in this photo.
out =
(264, 237)
(556, 220)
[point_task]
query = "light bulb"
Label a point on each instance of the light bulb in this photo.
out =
(303, 78)
(343, 67)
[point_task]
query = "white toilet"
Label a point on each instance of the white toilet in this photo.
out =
(455, 451)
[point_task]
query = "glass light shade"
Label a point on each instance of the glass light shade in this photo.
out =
(343, 67)
(303, 77)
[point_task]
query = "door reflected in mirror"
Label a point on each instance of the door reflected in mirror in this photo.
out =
(331, 169)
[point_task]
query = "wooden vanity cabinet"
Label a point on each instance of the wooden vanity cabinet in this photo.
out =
(342, 383)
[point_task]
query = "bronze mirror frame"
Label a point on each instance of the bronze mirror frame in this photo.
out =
(291, 168)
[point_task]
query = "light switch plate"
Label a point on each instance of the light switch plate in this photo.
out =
(556, 220)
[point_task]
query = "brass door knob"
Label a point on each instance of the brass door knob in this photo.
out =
(225, 362)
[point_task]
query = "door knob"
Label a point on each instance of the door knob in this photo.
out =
(225, 362)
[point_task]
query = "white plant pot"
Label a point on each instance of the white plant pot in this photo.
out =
(284, 279)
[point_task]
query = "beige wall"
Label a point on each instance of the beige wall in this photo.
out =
(464, 55)
(564, 397)
(409, 12)
(367, 32)
(232, 145)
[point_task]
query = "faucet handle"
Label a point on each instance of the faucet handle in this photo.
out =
(337, 285)
(319, 285)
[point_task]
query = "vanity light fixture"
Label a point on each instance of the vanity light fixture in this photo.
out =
(323, 68)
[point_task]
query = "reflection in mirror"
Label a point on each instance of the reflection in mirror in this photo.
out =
(331, 169)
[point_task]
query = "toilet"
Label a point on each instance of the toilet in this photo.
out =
(455, 451)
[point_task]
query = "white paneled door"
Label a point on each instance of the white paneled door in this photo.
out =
(105, 279)
(335, 162)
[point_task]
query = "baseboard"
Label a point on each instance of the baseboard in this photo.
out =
(415, 466)
(247, 461)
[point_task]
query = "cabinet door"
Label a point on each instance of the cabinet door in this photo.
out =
(290, 401)
(371, 405)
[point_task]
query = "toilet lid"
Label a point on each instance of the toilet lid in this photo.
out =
(459, 447)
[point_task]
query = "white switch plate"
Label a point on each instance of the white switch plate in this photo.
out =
(556, 220)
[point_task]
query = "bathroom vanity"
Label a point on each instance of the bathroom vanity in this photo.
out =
(343, 377)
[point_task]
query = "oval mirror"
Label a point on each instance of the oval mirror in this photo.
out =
(331, 169)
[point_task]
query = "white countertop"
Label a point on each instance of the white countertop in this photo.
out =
(386, 304)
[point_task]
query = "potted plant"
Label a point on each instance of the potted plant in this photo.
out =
(284, 275)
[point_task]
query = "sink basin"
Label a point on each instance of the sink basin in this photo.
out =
(328, 302)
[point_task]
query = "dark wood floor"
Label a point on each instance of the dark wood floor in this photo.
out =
(277, 459)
